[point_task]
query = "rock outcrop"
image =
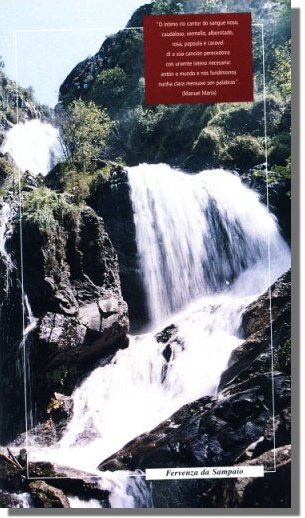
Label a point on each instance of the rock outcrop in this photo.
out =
(237, 427)
(46, 485)
(46, 496)
(256, 355)
(74, 310)
(111, 200)
(72, 282)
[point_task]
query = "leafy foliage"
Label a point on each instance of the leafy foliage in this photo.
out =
(284, 357)
(78, 185)
(110, 87)
(277, 173)
(243, 152)
(6, 168)
(167, 7)
(47, 208)
(85, 131)
(282, 70)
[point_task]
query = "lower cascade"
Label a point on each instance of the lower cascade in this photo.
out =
(206, 248)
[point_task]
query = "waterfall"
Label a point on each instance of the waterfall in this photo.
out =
(25, 367)
(34, 146)
(207, 248)
(196, 233)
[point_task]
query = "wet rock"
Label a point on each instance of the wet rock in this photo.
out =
(254, 354)
(216, 432)
(60, 408)
(272, 490)
(11, 477)
(70, 481)
(71, 279)
(11, 384)
(61, 482)
(237, 427)
(56, 333)
(47, 496)
(22, 457)
(164, 336)
(260, 492)
(86, 336)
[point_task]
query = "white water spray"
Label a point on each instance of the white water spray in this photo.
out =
(207, 248)
(34, 146)
(195, 235)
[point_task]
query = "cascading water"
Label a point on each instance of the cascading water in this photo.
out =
(34, 146)
(25, 357)
(196, 234)
(206, 248)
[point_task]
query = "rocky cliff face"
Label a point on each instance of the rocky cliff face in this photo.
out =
(237, 427)
(111, 200)
(73, 301)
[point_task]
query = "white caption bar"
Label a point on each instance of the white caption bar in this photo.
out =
(213, 472)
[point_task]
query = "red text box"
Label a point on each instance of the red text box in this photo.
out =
(198, 58)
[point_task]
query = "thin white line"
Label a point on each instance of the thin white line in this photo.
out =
(269, 250)
(21, 261)
(81, 29)
(92, 29)
(261, 25)
(89, 477)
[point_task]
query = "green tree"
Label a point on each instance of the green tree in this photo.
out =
(282, 70)
(211, 6)
(167, 7)
(109, 87)
(85, 130)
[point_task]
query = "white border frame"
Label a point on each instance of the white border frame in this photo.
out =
(27, 446)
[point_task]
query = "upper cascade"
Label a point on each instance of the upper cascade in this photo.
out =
(34, 146)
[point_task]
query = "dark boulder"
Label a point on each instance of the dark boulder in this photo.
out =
(217, 432)
(272, 490)
(46, 496)
(255, 355)
(61, 483)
